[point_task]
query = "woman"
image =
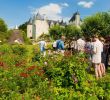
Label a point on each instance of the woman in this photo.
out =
(96, 56)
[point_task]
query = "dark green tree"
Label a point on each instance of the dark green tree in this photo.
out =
(56, 31)
(72, 31)
(23, 27)
(3, 26)
(3, 30)
(98, 23)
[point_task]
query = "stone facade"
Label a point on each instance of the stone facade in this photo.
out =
(38, 25)
(29, 30)
(41, 26)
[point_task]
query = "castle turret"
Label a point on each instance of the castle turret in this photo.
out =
(38, 16)
(30, 29)
(75, 19)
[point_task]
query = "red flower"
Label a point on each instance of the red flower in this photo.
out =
(67, 53)
(38, 73)
(25, 75)
(1, 64)
(20, 63)
(22, 97)
(1, 53)
(40, 68)
(31, 68)
(42, 71)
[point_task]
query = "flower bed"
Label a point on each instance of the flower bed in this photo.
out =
(26, 75)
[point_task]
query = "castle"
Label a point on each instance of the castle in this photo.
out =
(38, 25)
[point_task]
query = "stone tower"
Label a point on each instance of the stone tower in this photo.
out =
(75, 19)
(41, 26)
(37, 26)
(30, 29)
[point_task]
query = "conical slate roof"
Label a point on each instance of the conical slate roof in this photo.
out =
(38, 16)
(73, 17)
(30, 21)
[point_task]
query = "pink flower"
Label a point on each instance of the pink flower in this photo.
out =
(45, 63)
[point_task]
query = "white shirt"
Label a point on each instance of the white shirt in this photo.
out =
(97, 49)
(80, 44)
(55, 44)
(42, 43)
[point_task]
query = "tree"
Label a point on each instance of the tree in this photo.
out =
(3, 30)
(72, 31)
(98, 23)
(26, 40)
(56, 31)
(3, 26)
(23, 27)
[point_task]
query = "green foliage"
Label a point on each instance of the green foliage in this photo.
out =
(98, 23)
(45, 37)
(26, 40)
(72, 31)
(5, 49)
(69, 31)
(26, 75)
(23, 27)
(56, 31)
(3, 30)
(3, 26)
(63, 71)
(36, 57)
(19, 49)
(2, 37)
(9, 33)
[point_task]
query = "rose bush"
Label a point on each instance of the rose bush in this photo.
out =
(25, 76)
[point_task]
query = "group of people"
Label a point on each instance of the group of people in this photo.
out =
(96, 48)
(57, 45)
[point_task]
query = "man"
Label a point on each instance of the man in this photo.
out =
(60, 44)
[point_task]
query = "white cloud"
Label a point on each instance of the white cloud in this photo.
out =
(51, 11)
(65, 4)
(86, 4)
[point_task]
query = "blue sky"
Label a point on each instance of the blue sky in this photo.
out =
(16, 12)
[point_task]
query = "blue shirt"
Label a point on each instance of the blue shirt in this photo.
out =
(60, 44)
